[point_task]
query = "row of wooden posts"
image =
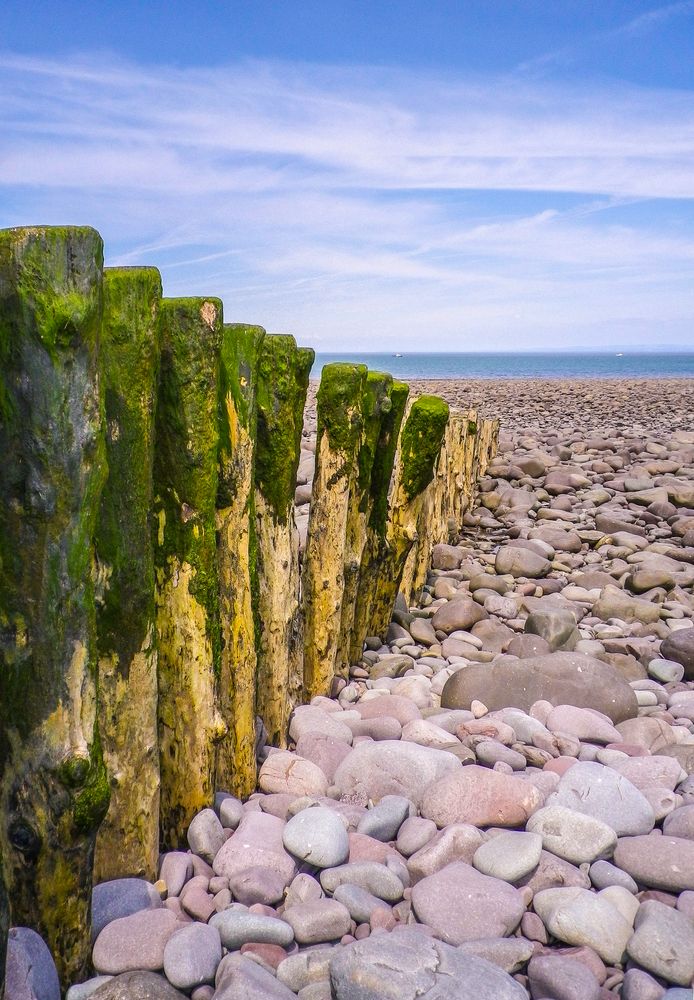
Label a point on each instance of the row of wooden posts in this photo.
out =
(152, 602)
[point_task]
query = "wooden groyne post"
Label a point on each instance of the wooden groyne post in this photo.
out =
(283, 371)
(128, 840)
(54, 791)
(237, 556)
(187, 591)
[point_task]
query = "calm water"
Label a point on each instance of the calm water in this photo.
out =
(563, 365)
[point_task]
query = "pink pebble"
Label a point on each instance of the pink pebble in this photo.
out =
(560, 765)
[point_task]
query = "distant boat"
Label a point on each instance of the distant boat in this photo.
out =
(397, 355)
(620, 355)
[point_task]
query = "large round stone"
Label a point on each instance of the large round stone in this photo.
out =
(120, 897)
(257, 842)
(563, 977)
(191, 956)
(680, 647)
(30, 970)
(409, 964)
(560, 678)
(480, 797)
(581, 917)
(658, 862)
(317, 835)
(521, 562)
(598, 791)
(460, 904)
(319, 921)
(392, 767)
(571, 835)
(459, 613)
(238, 927)
(134, 942)
(663, 942)
(509, 856)
(555, 626)
(285, 771)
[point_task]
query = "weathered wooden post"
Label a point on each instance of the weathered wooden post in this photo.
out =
(441, 512)
(376, 546)
(53, 786)
(128, 840)
(488, 443)
(283, 371)
(375, 405)
(339, 421)
(236, 555)
(187, 594)
(420, 443)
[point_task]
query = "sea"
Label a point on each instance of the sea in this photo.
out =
(637, 364)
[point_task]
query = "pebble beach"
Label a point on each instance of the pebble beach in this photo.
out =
(499, 800)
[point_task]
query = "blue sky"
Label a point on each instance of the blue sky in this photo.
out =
(479, 174)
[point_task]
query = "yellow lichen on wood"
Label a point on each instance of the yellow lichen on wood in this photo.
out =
(415, 466)
(187, 591)
(376, 404)
(468, 446)
(323, 579)
(283, 371)
(279, 629)
(236, 758)
(189, 724)
(53, 787)
(128, 840)
(339, 429)
(375, 547)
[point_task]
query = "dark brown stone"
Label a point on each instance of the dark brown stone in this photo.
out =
(560, 678)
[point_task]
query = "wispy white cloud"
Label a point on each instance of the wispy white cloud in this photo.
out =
(365, 203)
(658, 15)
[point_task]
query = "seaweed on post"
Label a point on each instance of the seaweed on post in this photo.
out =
(375, 547)
(376, 406)
(283, 372)
(128, 841)
(236, 556)
(54, 791)
(420, 444)
(185, 546)
(339, 432)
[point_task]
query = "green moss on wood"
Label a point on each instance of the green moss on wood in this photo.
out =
(129, 362)
(241, 346)
(375, 405)
(187, 447)
(283, 371)
(422, 437)
(53, 461)
(93, 791)
(339, 412)
(51, 475)
(384, 458)
(37, 259)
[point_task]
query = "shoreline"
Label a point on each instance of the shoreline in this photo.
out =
(625, 406)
